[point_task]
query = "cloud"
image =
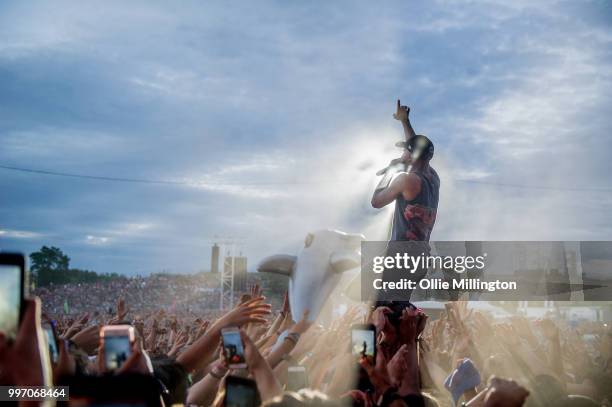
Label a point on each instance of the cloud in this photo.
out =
(96, 240)
(19, 234)
(545, 130)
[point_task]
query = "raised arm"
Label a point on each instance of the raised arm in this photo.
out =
(402, 114)
(264, 377)
(277, 354)
(398, 164)
(200, 352)
(204, 391)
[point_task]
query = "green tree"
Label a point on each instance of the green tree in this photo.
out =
(48, 265)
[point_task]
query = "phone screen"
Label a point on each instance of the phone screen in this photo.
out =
(363, 342)
(296, 378)
(233, 348)
(241, 393)
(10, 298)
(50, 336)
(117, 350)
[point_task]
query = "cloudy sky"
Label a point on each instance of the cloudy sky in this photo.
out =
(272, 118)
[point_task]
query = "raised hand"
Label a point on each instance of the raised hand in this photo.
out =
(151, 338)
(421, 322)
(378, 374)
(264, 377)
(286, 310)
(287, 323)
(122, 309)
(82, 320)
(341, 366)
(397, 367)
(409, 325)
(401, 113)
(504, 393)
(308, 341)
(23, 356)
(66, 364)
(179, 342)
(137, 362)
(523, 328)
(202, 329)
(253, 358)
(76, 326)
(253, 310)
(88, 339)
(139, 325)
(71, 331)
(160, 314)
(172, 334)
(302, 325)
(379, 318)
(505, 332)
(403, 370)
(548, 329)
(350, 317)
(256, 291)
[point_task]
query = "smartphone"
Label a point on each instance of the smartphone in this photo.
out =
(240, 392)
(296, 378)
(51, 338)
(363, 341)
(233, 348)
(12, 291)
(117, 341)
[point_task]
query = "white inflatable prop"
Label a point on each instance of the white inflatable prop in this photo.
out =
(317, 269)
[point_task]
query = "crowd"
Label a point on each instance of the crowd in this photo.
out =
(182, 294)
(463, 356)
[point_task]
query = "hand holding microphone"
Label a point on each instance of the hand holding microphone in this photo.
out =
(392, 164)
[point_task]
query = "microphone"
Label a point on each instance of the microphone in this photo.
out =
(382, 171)
(392, 165)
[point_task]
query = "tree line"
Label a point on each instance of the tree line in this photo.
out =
(50, 265)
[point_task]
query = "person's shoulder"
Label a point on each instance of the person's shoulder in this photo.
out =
(409, 181)
(408, 177)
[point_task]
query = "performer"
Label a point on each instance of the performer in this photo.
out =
(414, 186)
(414, 190)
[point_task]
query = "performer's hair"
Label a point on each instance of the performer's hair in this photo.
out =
(421, 147)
